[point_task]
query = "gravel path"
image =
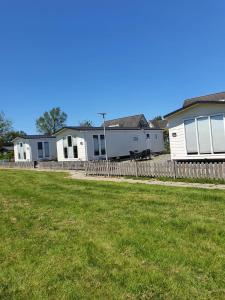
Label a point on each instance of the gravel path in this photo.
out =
(81, 175)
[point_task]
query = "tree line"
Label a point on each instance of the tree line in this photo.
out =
(47, 124)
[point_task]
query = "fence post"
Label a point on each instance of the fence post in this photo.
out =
(136, 168)
(174, 169)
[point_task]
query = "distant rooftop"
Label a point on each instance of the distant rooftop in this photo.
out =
(35, 136)
(136, 121)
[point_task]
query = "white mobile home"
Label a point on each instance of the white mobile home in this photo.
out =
(34, 148)
(197, 130)
(88, 143)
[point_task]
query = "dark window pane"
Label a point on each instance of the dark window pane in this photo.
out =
(75, 152)
(96, 144)
(65, 152)
(102, 139)
(40, 147)
(69, 138)
(40, 150)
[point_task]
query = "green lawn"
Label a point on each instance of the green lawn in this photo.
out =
(67, 239)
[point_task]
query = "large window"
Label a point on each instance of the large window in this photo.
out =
(102, 139)
(96, 145)
(40, 150)
(205, 135)
(46, 147)
(218, 135)
(190, 135)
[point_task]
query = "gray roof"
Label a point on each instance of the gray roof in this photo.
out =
(34, 136)
(136, 121)
(212, 98)
(81, 128)
(218, 98)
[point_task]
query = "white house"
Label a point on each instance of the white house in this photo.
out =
(88, 143)
(34, 148)
(197, 130)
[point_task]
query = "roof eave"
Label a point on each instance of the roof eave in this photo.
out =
(191, 105)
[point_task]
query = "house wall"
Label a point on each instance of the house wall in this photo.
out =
(119, 142)
(176, 126)
(25, 148)
(78, 139)
(31, 149)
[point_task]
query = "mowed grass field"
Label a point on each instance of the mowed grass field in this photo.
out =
(67, 239)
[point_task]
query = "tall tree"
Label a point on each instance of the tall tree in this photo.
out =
(86, 123)
(5, 124)
(51, 121)
(12, 134)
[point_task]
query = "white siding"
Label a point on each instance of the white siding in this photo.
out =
(30, 146)
(176, 126)
(119, 142)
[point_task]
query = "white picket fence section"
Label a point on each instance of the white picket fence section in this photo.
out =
(148, 169)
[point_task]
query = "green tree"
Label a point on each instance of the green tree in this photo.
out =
(158, 118)
(51, 121)
(5, 124)
(11, 135)
(86, 123)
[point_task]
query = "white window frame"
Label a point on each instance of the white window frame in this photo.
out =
(196, 132)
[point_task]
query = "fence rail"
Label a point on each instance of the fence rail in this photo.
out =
(19, 165)
(62, 165)
(148, 169)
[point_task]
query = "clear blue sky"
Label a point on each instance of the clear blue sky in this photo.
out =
(120, 56)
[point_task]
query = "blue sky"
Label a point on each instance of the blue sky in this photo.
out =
(120, 56)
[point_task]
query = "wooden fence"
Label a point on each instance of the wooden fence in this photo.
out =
(149, 169)
(62, 165)
(19, 165)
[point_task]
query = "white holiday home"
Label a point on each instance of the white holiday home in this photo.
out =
(197, 130)
(34, 148)
(88, 143)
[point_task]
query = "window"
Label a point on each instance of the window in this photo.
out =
(65, 151)
(148, 136)
(190, 135)
(46, 147)
(21, 145)
(40, 150)
(135, 138)
(102, 139)
(24, 155)
(174, 134)
(204, 135)
(19, 156)
(69, 140)
(96, 144)
(156, 136)
(75, 152)
(218, 135)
